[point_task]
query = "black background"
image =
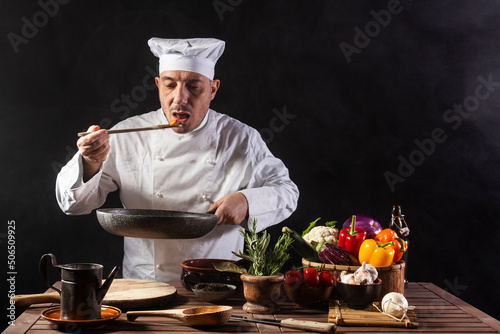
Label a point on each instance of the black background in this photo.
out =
(351, 120)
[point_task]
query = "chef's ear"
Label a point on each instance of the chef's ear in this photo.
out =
(214, 86)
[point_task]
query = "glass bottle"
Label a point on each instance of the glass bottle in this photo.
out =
(398, 224)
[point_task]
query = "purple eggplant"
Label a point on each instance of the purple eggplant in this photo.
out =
(370, 225)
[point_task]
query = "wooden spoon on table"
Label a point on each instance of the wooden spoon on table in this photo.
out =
(193, 316)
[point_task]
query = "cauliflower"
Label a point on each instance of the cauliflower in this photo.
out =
(322, 234)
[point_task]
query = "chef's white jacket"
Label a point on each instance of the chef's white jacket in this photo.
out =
(161, 169)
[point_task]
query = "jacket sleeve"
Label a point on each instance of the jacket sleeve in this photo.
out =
(76, 197)
(272, 196)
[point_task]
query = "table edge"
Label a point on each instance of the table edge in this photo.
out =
(466, 307)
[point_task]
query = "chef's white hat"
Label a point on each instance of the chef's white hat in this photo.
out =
(197, 55)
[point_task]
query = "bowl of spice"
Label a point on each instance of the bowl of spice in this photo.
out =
(213, 292)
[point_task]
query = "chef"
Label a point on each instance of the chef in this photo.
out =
(212, 162)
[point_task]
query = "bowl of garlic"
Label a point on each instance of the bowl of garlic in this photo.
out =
(359, 289)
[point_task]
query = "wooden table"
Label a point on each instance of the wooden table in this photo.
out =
(437, 310)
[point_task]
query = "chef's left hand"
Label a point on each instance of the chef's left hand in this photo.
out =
(231, 209)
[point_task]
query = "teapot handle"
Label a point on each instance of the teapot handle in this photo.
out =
(44, 264)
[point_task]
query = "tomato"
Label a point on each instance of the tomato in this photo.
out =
(293, 278)
(326, 279)
(311, 277)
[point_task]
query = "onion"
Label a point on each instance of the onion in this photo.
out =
(395, 304)
(370, 225)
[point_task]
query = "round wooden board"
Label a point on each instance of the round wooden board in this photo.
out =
(129, 294)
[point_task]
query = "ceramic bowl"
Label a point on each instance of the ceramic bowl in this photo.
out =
(359, 296)
(305, 296)
(202, 271)
(213, 292)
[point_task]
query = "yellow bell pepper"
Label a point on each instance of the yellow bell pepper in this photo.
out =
(376, 253)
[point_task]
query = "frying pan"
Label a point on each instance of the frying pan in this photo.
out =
(156, 224)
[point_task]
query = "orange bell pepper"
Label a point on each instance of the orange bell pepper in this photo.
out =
(400, 246)
(376, 253)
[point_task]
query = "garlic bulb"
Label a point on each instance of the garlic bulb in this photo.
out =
(366, 274)
(347, 278)
(395, 304)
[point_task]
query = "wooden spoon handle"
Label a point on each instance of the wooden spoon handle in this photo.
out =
(37, 298)
(312, 326)
(154, 127)
(176, 314)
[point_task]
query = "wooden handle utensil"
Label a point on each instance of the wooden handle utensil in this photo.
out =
(311, 326)
(146, 128)
(36, 298)
(193, 316)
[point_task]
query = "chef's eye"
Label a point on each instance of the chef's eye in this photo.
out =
(194, 89)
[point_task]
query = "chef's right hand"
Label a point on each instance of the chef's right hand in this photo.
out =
(94, 149)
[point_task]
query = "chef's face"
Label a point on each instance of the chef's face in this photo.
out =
(185, 96)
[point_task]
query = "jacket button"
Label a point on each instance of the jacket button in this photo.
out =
(158, 266)
(159, 195)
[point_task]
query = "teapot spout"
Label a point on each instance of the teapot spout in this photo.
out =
(105, 286)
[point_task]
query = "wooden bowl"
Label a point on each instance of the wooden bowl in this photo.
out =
(306, 296)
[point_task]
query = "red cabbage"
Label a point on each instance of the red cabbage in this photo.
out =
(370, 225)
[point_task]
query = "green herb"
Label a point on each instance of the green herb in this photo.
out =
(331, 224)
(264, 261)
(229, 267)
(310, 227)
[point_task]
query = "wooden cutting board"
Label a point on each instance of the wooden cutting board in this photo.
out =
(126, 294)
(341, 315)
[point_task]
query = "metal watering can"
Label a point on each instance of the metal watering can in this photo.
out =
(82, 290)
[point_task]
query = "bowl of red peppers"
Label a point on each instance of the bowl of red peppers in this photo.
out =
(308, 286)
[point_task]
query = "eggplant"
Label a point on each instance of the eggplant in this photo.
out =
(370, 225)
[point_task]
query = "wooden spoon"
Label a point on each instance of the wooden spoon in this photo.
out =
(193, 316)
(146, 128)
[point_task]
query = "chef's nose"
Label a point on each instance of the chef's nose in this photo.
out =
(181, 94)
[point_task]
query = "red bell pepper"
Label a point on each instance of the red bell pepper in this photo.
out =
(351, 238)
(399, 245)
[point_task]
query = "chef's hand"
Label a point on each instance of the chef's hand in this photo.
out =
(94, 149)
(231, 209)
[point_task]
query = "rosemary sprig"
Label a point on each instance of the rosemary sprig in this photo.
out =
(264, 261)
